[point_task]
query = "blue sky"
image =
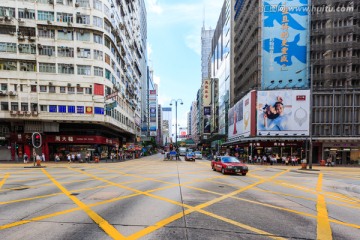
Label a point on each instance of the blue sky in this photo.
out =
(174, 47)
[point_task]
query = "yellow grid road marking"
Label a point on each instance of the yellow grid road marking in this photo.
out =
(4, 179)
(166, 221)
(103, 224)
(323, 225)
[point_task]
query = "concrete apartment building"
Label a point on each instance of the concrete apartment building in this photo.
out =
(71, 70)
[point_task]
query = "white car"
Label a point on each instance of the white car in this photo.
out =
(198, 155)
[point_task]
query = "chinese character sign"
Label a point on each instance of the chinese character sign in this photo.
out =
(206, 91)
(284, 47)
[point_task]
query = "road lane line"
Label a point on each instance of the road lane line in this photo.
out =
(103, 224)
(4, 179)
(323, 225)
(166, 221)
(247, 227)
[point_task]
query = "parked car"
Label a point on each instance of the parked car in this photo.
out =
(228, 164)
(190, 156)
(198, 155)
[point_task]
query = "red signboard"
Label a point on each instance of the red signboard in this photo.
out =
(82, 139)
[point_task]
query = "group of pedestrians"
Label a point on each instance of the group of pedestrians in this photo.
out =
(272, 160)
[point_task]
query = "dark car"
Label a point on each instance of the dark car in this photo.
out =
(190, 156)
(227, 164)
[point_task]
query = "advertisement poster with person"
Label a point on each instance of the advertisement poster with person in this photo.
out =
(283, 112)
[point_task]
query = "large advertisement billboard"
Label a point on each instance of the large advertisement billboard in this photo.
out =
(240, 116)
(207, 120)
(283, 112)
(285, 37)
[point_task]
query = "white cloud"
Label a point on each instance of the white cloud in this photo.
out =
(164, 100)
(156, 79)
(189, 15)
(154, 7)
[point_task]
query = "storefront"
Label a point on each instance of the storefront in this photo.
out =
(95, 145)
(342, 153)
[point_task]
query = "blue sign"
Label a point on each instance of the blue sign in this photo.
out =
(284, 47)
(80, 109)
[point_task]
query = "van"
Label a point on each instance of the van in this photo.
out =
(182, 151)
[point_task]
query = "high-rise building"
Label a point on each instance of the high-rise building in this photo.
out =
(206, 37)
(71, 70)
(307, 62)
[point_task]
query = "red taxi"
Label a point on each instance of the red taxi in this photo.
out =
(228, 164)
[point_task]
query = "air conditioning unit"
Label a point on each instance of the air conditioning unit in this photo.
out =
(20, 112)
(13, 112)
(40, 46)
(77, 5)
(112, 5)
(49, 22)
(78, 49)
(35, 113)
(69, 24)
(78, 13)
(81, 32)
(50, 83)
(21, 21)
(3, 92)
(7, 18)
(12, 33)
(51, 1)
(21, 37)
(31, 39)
(77, 85)
(69, 84)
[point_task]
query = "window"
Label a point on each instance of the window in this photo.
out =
(45, 16)
(14, 106)
(28, 66)
(33, 88)
(8, 65)
(4, 106)
(107, 42)
(88, 90)
(27, 48)
(83, 53)
(79, 90)
(4, 87)
(43, 88)
(62, 90)
(107, 74)
(83, 36)
(52, 108)
(98, 55)
(107, 27)
(97, 5)
(46, 50)
(65, 51)
(71, 90)
(97, 22)
(82, 19)
(84, 70)
(46, 33)
(64, 17)
(62, 109)
(7, 47)
(26, 13)
(107, 59)
(65, 35)
(47, 67)
(98, 71)
(7, 11)
(52, 89)
(44, 108)
(83, 3)
(98, 39)
(65, 69)
(71, 109)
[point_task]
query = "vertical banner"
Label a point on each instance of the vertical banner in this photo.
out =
(285, 36)
(206, 91)
(153, 112)
(207, 119)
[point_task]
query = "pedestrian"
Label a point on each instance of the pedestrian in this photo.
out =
(264, 159)
(26, 158)
(43, 157)
(68, 158)
(73, 157)
(250, 159)
(328, 162)
(78, 155)
(88, 157)
(283, 160)
(57, 158)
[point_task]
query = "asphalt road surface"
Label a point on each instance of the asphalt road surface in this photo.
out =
(149, 198)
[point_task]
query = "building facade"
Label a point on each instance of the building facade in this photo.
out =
(167, 119)
(71, 70)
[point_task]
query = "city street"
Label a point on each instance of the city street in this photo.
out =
(149, 198)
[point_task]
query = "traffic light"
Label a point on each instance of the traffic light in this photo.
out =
(36, 140)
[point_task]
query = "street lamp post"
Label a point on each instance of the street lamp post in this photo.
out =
(176, 102)
(311, 105)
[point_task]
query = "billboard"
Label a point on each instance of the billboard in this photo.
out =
(285, 36)
(283, 112)
(207, 119)
(240, 116)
